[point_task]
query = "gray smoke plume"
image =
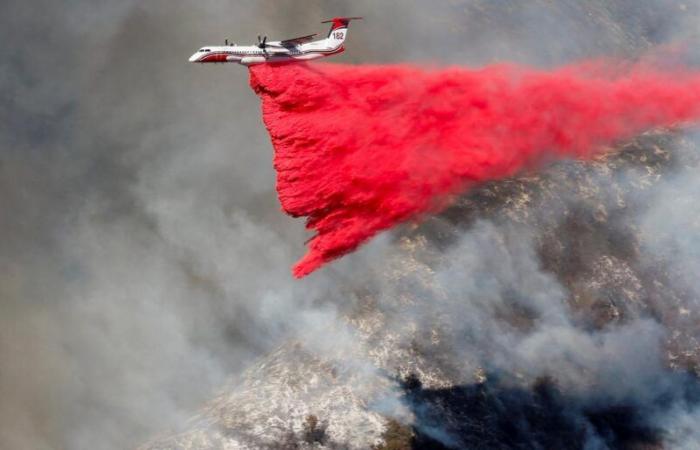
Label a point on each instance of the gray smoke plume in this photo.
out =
(145, 261)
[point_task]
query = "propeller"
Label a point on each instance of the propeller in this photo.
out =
(262, 44)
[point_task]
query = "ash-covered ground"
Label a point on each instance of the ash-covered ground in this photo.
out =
(145, 297)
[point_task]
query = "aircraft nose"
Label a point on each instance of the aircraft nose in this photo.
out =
(194, 57)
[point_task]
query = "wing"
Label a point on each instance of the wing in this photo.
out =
(297, 41)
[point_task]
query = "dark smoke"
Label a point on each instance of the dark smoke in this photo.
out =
(494, 415)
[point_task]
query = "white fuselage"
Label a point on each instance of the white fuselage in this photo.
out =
(274, 51)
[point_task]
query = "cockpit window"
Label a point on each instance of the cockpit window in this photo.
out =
(204, 50)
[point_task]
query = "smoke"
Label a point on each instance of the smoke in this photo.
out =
(120, 172)
(419, 136)
(144, 257)
(489, 319)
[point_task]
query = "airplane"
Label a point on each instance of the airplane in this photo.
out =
(302, 48)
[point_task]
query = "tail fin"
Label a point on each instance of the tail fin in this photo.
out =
(339, 29)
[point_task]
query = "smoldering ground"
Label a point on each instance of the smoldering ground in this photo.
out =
(144, 258)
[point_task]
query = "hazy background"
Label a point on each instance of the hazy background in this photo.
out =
(144, 257)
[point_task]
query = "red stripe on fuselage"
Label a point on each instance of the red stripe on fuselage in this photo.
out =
(221, 57)
(214, 57)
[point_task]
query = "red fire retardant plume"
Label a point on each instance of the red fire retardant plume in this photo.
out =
(359, 149)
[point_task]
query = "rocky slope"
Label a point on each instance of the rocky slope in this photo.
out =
(410, 362)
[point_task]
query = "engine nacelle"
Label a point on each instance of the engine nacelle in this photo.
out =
(250, 60)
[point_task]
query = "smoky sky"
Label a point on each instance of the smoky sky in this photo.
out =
(144, 258)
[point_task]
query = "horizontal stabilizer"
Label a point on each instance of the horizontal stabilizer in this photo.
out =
(341, 19)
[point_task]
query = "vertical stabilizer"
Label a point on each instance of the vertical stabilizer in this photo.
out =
(339, 30)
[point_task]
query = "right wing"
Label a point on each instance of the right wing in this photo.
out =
(297, 41)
